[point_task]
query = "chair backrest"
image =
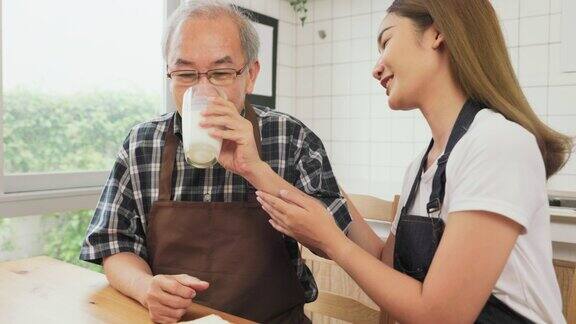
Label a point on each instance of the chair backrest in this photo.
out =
(334, 304)
(343, 308)
(338, 294)
(374, 208)
(566, 275)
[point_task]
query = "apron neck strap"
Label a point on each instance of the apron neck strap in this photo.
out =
(167, 162)
(171, 146)
(461, 126)
(416, 184)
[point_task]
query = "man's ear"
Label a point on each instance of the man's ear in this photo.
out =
(253, 71)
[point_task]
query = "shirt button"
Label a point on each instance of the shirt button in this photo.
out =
(207, 198)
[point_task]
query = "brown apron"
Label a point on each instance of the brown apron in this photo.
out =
(229, 244)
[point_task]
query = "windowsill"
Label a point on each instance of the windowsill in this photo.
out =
(48, 201)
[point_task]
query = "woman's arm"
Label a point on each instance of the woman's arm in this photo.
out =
(467, 264)
(387, 255)
(360, 232)
(471, 255)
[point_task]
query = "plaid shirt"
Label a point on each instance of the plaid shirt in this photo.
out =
(290, 148)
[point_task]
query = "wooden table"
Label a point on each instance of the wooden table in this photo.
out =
(45, 290)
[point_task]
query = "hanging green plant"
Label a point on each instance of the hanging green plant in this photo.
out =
(299, 7)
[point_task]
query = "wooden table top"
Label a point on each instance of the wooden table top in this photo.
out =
(45, 290)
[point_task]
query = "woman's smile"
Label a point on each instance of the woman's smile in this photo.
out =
(386, 82)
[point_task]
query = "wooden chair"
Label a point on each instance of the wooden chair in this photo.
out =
(344, 308)
(566, 274)
(374, 208)
(339, 297)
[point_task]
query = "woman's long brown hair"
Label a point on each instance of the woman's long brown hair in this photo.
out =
(480, 63)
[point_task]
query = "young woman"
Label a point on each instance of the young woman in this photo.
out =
(471, 242)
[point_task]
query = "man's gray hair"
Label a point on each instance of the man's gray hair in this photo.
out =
(212, 9)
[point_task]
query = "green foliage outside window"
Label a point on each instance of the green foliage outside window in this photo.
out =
(62, 133)
(6, 242)
(65, 236)
(59, 133)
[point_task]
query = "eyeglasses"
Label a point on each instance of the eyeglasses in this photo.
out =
(219, 77)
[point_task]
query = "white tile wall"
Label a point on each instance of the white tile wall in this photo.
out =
(286, 33)
(294, 63)
(341, 27)
(305, 34)
(360, 7)
(534, 30)
(322, 108)
(341, 8)
(341, 51)
(322, 80)
(380, 5)
(371, 146)
(322, 53)
(321, 9)
(534, 7)
(531, 72)
(340, 79)
(557, 76)
(555, 6)
(360, 26)
(555, 28)
(538, 99)
(510, 30)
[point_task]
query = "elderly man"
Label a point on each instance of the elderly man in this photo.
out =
(168, 233)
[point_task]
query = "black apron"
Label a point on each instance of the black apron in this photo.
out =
(417, 237)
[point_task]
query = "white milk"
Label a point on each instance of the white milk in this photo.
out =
(201, 149)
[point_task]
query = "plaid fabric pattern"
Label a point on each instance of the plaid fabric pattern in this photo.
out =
(288, 146)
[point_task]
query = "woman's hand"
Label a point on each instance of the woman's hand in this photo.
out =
(304, 218)
(239, 153)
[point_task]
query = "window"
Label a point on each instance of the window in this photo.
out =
(77, 76)
(58, 235)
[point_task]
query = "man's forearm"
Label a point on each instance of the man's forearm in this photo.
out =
(265, 179)
(129, 274)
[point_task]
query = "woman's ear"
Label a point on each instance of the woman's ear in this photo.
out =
(438, 41)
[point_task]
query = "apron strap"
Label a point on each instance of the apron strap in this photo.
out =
(461, 126)
(171, 145)
(416, 184)
(463, 122)
(168, 160)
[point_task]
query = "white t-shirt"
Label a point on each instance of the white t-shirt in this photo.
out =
(497, 167)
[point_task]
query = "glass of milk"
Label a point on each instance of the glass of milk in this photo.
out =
(201, 149)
